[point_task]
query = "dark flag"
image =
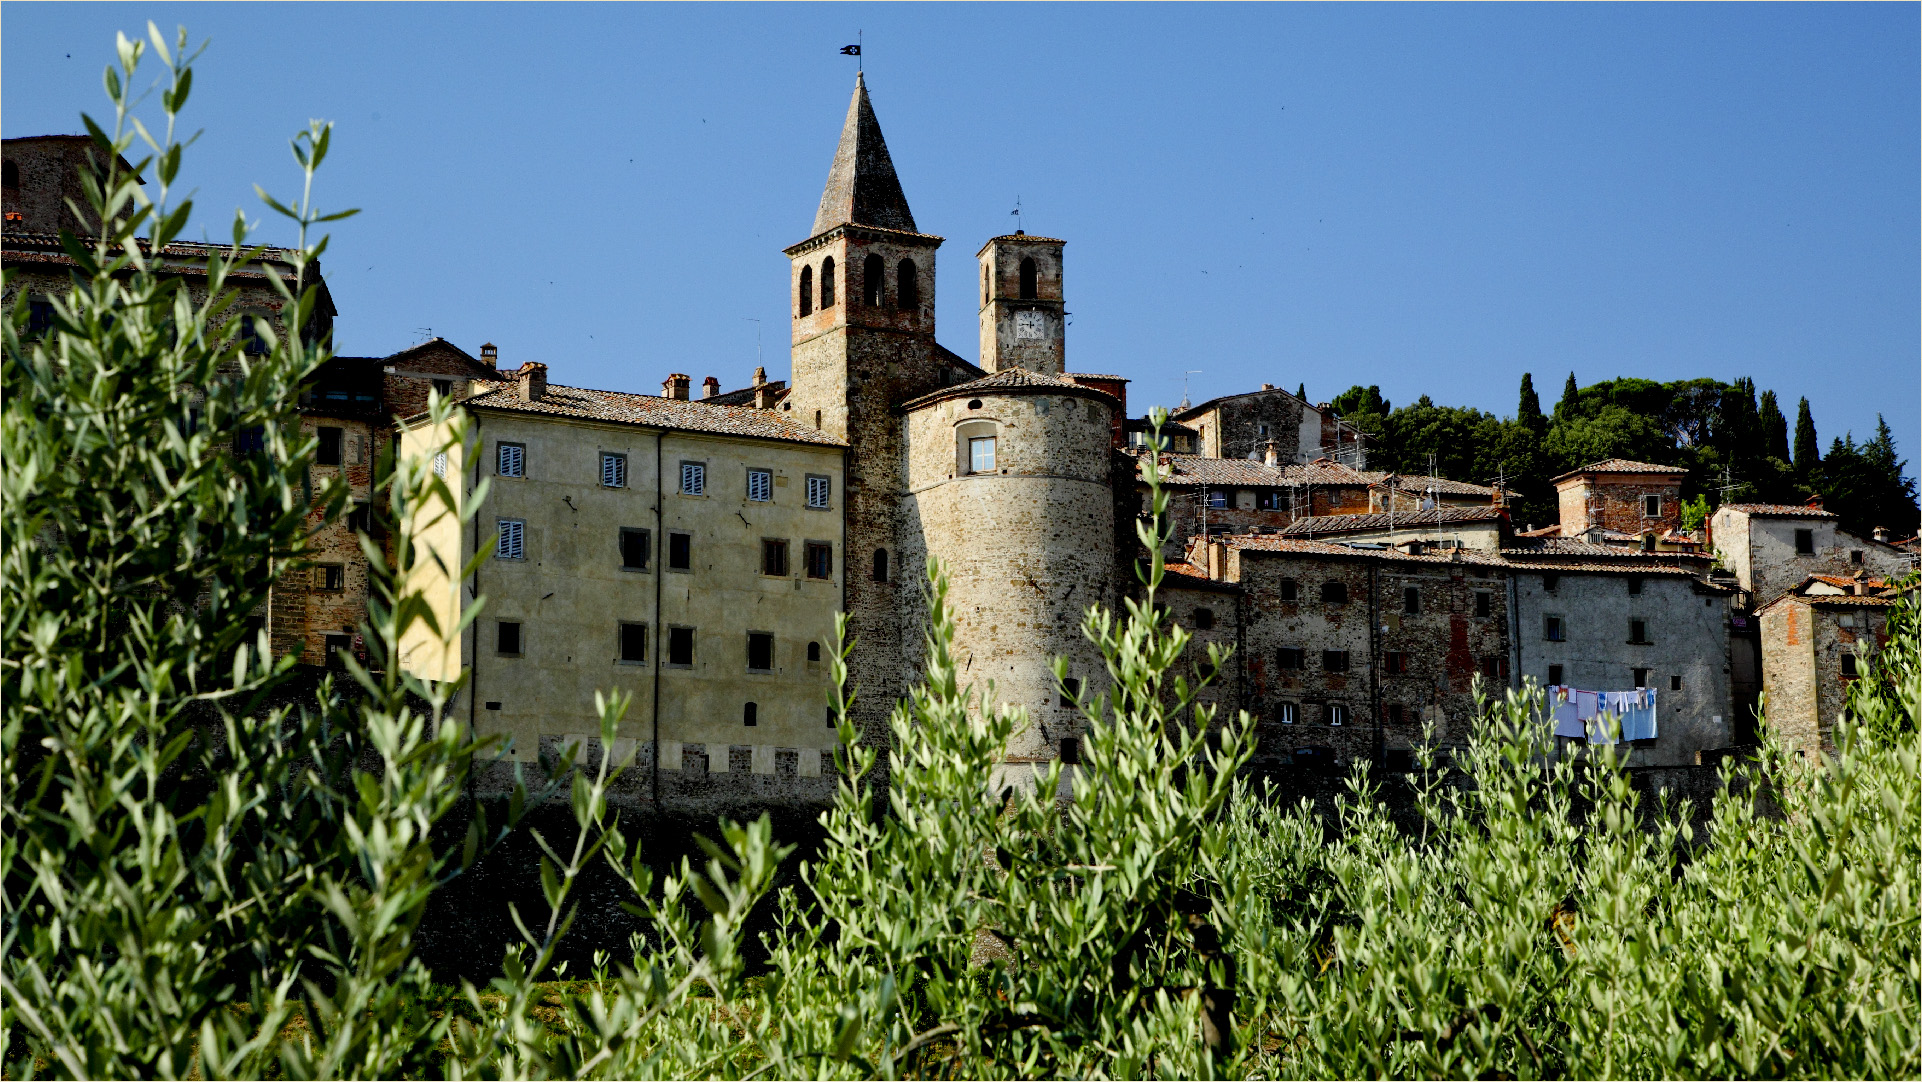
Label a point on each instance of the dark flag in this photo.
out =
(850, 50)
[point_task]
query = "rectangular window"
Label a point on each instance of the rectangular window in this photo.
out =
(1289, 591)
(1070, 693)
(1291, 657)
(1394, 663)
(773, 556)
(440, 464)
(1287, 713)
(1641, 677)
(507, 638)
(1495, 667)
(1675, 682)
(613, 471)
(820, 557)
(1337, 714)
(680, 646)
(1484, 604)
(1269, 501)
(360, 516)
(1554, 629)
(1855, 557)
(1805, 542)
(1638, 631)
(1549, 582)
(39, 318)
(1651, 507)
(981, 454)
(329, 452)
(1218, 500)
(760, 485)
(819, 489)
(1848, 667)
(337, 648)
(760, 651)
(633, 642)
(1070, 751)
(332, 577)
(1555, 676)
(510, 460)
(693, 478)
(253, 439)
(1411, 601)
(1334, 660)
(513, 540)
(635, 547)
(1634, 587)
(680, 552)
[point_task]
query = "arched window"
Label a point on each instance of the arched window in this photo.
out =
(807, 290)
(907, 287)
(814, 651)
(1027, 279)
(976, 449)
(880, 565)
(872, 273)
(827, 283)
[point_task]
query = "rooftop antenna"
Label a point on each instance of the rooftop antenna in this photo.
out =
(1184, 385)
(424, 332)
(757, 340)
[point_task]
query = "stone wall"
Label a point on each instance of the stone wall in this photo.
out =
(1789, 675)
(1613, 501)
(1761, 549)
(1004, 341)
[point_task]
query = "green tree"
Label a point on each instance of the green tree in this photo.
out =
(1364, 408)
(1808, 453)
(1529, 411)
(1775, 429)
(1571, 398)
(1868, 486)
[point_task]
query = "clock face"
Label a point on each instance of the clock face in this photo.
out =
(1030, 325)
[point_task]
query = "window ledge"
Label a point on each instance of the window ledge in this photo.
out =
(624, 661)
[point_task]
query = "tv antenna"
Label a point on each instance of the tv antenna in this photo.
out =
(757, 340)
(1184, 384)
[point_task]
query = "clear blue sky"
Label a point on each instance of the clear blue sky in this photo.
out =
(1433, 199)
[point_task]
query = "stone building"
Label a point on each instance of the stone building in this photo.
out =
(1244, 425)
(1818, 637)
(1771, 548)
(1620, 496)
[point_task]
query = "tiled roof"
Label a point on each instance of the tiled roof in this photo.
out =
(1620, 465)
(1097, 375)
(640, 409)
(1778, 510)
(1276, 543)
(1561, 546)
(1440, 485)
(1209, 404)
(1190, 577)
(1009, 380)
(1438, 516)
(1182, 469)
(1847, 582)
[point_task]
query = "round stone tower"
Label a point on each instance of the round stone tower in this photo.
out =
(1009, 487)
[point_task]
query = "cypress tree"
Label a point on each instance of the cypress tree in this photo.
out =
(1301, 391)
(1529, 412)
(1808, 454)
(1775, 428)
(1571, 396)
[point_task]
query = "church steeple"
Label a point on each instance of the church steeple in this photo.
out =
(862, 187)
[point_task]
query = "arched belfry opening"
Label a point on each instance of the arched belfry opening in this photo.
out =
(907, 286)
(827, 283)
(874, 273)
(1027, 278)
(807, 291)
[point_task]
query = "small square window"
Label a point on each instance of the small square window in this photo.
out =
(513, 540)
(1849, 670)
(1634, 587)
(1394, 663)
(760, 485)
(693, 478)
(760, 651)
(1288, 713)
(1337, 714)
(1070, 751)
(680, 646)
(680, 552)
(333, 577)
(1334, 593)
(1855, 557)
(633, 642)
(773, 556)
(636, 545)
(820, 560)
(443, 387)
(819, 490)
(981, 454)
(1638, 631)
(1291, 657)
(1641, 677)
(510, 460)
(507, 638)
(1070, 693)
(1675, 683)
(1549, 582)
(1554, 676)
(1554, 628)
(1334, 660)
(1204, 619)
(1494, 667)
(328, 453)
(1484, 604)
(613, 471)
(1396, 715)
(1411, 601)
(39, 318)
(1218, 500)
(1805, 542)
(1289, 591)
(1651, 506)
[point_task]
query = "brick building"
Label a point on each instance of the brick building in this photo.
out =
(1818, 638)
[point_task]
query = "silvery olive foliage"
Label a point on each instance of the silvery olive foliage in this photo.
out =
(198, 881)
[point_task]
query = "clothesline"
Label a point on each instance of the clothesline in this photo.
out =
(1586, 714)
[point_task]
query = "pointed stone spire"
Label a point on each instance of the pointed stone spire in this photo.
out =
(862, 187)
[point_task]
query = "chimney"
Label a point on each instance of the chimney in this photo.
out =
(763, 395)
(760, 375)
(491, 355)
(1217, 551)
(1267, 386)
(675, 386)
(710, 387)
(1859, 584)
(1271, 455)
(1815, 502)
(531, 380)
(1881, 534)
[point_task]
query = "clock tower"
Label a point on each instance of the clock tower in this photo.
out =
(1023, 322)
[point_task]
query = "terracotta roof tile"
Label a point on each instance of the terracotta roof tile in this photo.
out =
(1621, 465)
(1778, 510)
(1275, 543)
(1015, 380)
(1190, 577)
(639, 409)
(1440, 485)
(1180, 469)
(1438, 516)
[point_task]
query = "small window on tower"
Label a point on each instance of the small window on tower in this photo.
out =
(827, 283)
(873, 271)
(880, 565)
(807, 291)
(907, 286)
(1028, 276)
(981, 454)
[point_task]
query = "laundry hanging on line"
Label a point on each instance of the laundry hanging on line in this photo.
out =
(1584, 714)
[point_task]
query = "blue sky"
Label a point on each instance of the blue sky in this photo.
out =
(1432, 199)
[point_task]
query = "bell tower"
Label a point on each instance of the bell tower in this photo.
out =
(1023, 320)
(861, 305)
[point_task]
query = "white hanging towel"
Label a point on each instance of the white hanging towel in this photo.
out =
(1563, 709)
